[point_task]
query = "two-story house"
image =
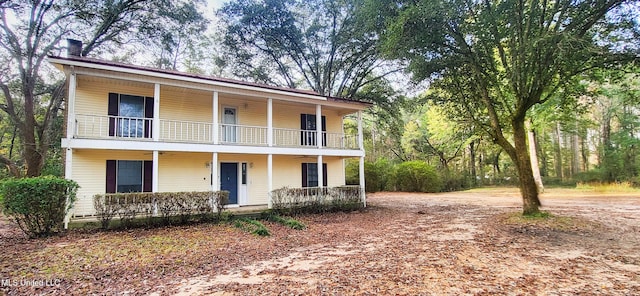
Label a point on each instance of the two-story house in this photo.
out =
(140, 129)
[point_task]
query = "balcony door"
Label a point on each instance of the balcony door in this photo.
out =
(309, 132)
(229, 124)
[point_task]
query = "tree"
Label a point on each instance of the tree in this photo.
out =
(32, 98)
(322, 45)
(497, 59)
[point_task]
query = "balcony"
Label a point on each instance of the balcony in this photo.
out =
(141, 129)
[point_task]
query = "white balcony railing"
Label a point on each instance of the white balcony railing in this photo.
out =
(97, 126)
(186, 131)
(243, 134)
(92, 126)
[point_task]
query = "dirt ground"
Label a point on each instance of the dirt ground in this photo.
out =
(463, 243)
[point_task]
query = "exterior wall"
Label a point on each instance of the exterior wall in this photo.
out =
(186, 105)
(181, 104)
(287, 170)
(90, 171)
(92, 95)
(184, 172)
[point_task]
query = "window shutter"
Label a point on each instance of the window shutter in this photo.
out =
(111, 177)
(304, 175)
(112, 110)
(324, 174)
(148, 113)
(147, 176)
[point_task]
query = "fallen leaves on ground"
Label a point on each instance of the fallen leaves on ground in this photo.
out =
(400, 245)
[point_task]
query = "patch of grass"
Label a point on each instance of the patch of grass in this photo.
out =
(288, 222)
(618, 187)
(252, 226)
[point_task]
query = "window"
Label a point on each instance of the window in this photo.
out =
(310, 174)
(308, 135)
(130, 116)
(129, 176)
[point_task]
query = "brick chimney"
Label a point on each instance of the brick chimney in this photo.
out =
(74, 48)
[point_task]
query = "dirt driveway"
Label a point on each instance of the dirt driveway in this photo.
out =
(465, 243)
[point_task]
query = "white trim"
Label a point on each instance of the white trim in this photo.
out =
(362, 180)
(360, 133)
(155, 74)
(68, 170)
(269, 180)
(155, 171)
(215, 176)
(319, 135)
(320, 172)
(71, 106)
(122, 144)
(156, 112)
(216, 124)
(270, 122)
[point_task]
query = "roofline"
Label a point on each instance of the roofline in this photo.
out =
(191, 77)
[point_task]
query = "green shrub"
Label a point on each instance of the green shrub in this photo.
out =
(417, 176)
(376, 174)
(456, 182)
(38, 205)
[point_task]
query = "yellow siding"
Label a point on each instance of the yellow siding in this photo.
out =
(288, 116)
(92, 97)
(182, 104)
(89, 169)
(184, 172)
(287, 171)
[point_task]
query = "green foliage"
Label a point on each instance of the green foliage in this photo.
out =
(38, 205)
(456, 182)
(185, 206)
(278, 42)
(417, 176)
(252, 226)
(289, 222)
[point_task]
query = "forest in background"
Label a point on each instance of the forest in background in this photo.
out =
(580, 92)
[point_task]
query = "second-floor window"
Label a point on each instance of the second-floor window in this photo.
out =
(130, 116)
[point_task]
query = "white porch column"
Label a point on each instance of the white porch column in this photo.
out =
(71, 106)
(319, 125)
(156, 114)
(270, 122)
(155, 172)
(270, 179)
(320, 172)
(363, 194)
(215, 185)
(68, 162)
(360, 137)
(216, 125)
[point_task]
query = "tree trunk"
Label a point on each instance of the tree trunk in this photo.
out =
(33, 158)
(472, 162)
(558, 158)
(534, 157)
(520, 157)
